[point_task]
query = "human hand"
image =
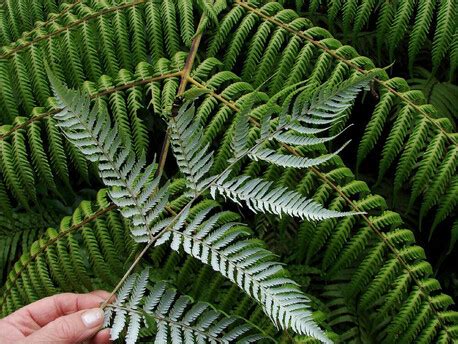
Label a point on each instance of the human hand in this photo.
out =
(64, 319)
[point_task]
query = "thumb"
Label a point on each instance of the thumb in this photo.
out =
(70, 329)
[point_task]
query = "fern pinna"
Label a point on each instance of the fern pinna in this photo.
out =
(293, 64)
(417, 20)
(267, 102)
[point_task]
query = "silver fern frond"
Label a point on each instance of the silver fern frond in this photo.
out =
(263, 196)
(178, 318)
(221, 245)
(302, 118)
(241, 129)
(288, 160)
(243, 261)
(132, 184)
(192, 157)
(324, 107)
(331, 101)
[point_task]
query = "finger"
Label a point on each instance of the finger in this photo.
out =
(105, 295)
(102, 337)
(70, 329)
(50, 308)
(101, 293)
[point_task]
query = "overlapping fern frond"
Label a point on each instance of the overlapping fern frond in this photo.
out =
(20, 16)
(376, 283)
(85, 251)
(88, 40)
(293, 65)
(195, 161)
(133, 186)
(17, 233)
(396, 21)
(45, 158)
(443, 95)
(305, 52)
(139, 197)
(387, 266)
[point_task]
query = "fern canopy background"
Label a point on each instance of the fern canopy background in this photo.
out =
(386, 276)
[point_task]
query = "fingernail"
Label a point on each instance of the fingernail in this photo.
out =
(92, 317)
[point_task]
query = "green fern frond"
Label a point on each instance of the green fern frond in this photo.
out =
(350, 247)
(112, 26)
(326, 60)
(415, 19)
(440, 94)
(21, 16)
(254, 123)
(17, 233)
(70, 255)
(40, 148)
(444, 30)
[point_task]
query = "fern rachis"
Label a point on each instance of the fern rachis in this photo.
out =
(244, 157)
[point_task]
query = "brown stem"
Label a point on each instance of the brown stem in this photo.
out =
(92, 96)
(181, 88)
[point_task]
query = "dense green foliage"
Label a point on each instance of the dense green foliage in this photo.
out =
(246, 168)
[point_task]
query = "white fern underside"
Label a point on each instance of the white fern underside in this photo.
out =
(141, 199)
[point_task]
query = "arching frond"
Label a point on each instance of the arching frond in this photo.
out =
(140, 199)
(177, 318)
(134, 187)
(88, 39)
(311, 52)
(84, 252)
(195, 161)
(248, 265)
(413, 19)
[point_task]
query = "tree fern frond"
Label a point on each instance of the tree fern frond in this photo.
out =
(397, 107)
(399, 26)
(261, 132)
(139, 201)
(70, 254)
(186, 21)
(447, 204)
(178, 318)
(440, 94)
(433, 155)
(194, 160)
(420, 28)
(81, 45)
(415, 19)
(444, 30)
(287, 160)
(258, 194)
(22, 15)
(133, 186)
(250, 267)
(357, 240)
(439, 182)
(17, 233)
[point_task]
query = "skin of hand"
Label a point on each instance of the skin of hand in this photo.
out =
(64, 319)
